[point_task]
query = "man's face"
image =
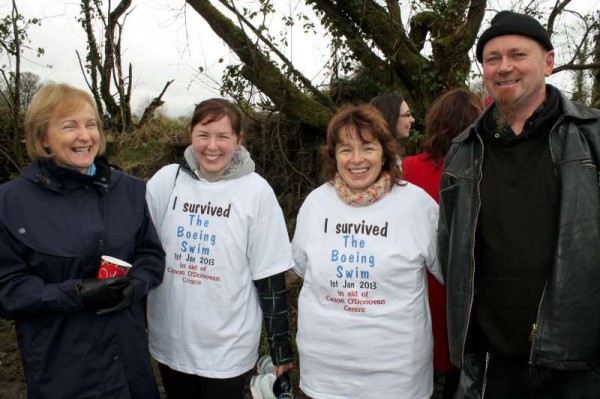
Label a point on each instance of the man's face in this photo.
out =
(515, 68)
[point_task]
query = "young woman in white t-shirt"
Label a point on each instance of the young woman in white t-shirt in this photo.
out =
(363, 243)
(227, 249)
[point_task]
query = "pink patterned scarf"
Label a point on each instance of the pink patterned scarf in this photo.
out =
(368, 196)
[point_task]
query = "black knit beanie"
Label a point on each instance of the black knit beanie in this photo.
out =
(512, 23)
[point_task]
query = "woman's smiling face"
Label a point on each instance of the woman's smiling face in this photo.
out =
(74, 139)
(405, 121)
(214, 144)
(358, 162)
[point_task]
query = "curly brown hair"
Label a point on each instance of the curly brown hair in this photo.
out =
(366, 120)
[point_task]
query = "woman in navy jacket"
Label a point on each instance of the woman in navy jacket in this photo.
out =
(79, 337)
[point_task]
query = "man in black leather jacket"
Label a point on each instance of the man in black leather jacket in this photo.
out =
(519, 233)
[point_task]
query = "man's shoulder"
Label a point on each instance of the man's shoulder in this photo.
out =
(576, 110)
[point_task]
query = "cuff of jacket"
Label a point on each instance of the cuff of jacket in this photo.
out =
(273, 302)
(281, 353)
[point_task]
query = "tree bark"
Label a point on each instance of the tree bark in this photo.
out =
(262, 72)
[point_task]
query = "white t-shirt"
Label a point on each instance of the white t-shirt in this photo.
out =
(205, 318)
(364, 328)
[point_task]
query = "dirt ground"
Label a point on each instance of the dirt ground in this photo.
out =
(12, 381)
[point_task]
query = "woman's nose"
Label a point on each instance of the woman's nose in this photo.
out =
(212, 142)
(83, 134)
(356, 156)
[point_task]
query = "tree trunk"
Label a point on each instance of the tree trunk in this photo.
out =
(262, 72)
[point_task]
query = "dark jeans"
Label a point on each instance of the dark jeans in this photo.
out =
(508, 379)
(451, 379)
(180, 385)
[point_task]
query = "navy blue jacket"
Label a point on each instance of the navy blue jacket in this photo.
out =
(55, 224)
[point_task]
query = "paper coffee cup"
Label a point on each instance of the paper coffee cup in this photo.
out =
(112, 267)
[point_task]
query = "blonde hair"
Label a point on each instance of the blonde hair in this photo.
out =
(54, 100)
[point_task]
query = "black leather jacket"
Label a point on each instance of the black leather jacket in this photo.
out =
(567, 332)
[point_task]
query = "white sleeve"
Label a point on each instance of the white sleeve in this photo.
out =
(158, 192)
(298, 243)
(269, 250)
(432, 263)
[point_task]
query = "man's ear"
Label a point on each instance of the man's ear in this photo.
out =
(549, 63)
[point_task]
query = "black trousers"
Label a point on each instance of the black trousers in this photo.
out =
(180, 385)
(510, 379)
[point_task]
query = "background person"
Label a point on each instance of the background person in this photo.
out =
(228, 249)
(451, 114)
(519, 230)
(396, 113)
(78, 336)
(362, 243)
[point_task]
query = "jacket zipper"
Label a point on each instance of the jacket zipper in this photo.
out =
(534, 327)
(473, 232)
(550, 145)
(485, 374)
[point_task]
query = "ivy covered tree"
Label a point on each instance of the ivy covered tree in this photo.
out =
(376, 46)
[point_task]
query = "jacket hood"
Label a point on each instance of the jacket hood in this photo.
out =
(241, 164)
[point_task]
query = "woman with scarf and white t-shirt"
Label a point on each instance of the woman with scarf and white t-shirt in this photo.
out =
(227, 249)
(363, 243)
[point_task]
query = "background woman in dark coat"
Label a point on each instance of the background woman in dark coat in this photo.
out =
(79, 337)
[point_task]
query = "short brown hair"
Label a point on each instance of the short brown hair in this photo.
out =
(364, 119)
(55, 100)
(450, 114)
(213, 110)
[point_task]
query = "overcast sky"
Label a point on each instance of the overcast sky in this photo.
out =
(156, 41)
(163, 40)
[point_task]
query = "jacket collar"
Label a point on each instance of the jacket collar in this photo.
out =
(50, 176)
(569, 109)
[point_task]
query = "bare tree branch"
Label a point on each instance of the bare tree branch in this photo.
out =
(154, 104)
(305, 82)
(575, 67)
(558, 8)
(267, 76)
(393, 7)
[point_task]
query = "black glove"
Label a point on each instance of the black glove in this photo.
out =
(126, 299)
(100, 294)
